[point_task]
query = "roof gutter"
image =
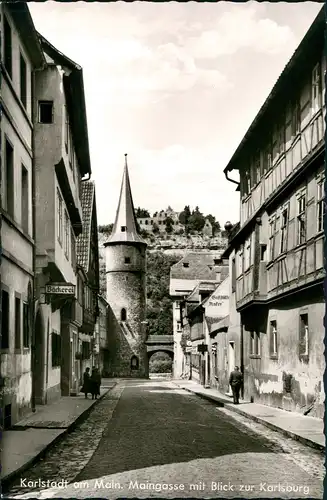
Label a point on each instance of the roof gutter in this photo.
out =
(229, 179)
(83, 179)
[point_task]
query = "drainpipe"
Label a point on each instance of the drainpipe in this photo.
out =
(229, 179)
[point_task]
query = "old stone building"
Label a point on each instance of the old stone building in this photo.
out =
(21, 55)
(194, 322)
(62, 161)
(85, 347)
(277, 254)
(184, 277)
(126, 290)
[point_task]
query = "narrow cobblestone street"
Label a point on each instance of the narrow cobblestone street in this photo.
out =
(146, 435)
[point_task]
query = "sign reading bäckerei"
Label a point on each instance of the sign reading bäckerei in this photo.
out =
(60, 289)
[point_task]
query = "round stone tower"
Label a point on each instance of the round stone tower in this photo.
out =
(126, 286)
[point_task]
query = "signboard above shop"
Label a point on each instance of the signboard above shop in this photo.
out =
(60, 289)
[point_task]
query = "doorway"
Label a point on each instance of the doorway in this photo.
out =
(39, 358)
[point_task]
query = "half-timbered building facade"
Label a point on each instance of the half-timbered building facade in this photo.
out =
(276, 255)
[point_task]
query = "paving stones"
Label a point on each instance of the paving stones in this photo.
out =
(309, 459)
(67, 459)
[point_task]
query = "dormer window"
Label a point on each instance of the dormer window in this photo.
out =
(186, 264)
(123, 229)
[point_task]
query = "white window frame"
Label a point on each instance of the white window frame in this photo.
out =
(274, 343)
(306, 335)
(255, 347)
(301, 216)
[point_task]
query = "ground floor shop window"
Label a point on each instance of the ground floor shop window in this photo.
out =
(56, 349)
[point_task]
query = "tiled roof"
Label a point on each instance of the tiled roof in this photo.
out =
(201, 266)
(125, 215)
(84, 239)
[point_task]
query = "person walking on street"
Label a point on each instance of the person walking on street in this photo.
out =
(95, 383)
(235, 381)
(86, 382)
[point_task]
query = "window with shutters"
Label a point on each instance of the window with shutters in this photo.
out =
(17, 322)
(10, 178)
(283, 228)
(320, 203)
(7, 50)
(301, 218)
(273, 339)
(4, 339)
(26, 327)
(23, 80)
(304, 337)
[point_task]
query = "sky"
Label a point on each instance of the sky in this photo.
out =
(175, 86)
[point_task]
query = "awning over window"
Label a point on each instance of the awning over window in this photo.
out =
(220, 325)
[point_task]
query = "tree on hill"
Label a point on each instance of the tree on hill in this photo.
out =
(159, 303)
(196, 220)
(215, 224)
(169, 225)
(185, 215)
(105, 228)
(141, 213)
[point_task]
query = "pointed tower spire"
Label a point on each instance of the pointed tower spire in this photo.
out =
(125, 226)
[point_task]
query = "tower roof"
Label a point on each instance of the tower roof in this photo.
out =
(125, 226)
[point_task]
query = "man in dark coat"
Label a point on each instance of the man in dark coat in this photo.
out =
(86, 382)
(235, 381)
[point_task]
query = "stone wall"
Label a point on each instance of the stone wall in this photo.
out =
(126, 295)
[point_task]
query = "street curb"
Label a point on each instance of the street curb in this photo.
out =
(5, 482)
(285, 432)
